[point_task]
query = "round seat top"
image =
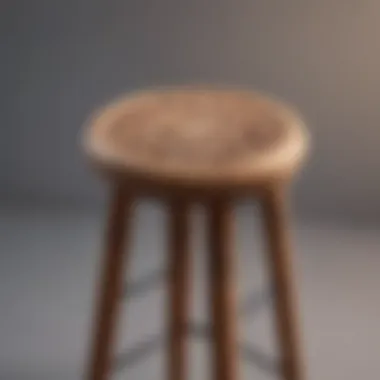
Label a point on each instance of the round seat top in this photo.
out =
(196, 136)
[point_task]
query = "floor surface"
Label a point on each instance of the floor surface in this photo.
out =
(48, 266)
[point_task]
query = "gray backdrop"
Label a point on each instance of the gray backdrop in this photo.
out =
(61, 59)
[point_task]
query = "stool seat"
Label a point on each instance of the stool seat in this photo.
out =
(199, 137)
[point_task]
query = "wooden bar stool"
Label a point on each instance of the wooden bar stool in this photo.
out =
(207, 145)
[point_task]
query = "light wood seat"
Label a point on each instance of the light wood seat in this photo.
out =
(196, 137)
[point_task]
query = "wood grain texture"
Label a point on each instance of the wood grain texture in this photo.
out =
(281, 266)
(179, 288)
(197, 136)
(111, 284)
(222, 291)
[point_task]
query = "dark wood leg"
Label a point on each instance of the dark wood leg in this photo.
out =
(222, 284)
(179, 292)
(280, 260)
(110, 289)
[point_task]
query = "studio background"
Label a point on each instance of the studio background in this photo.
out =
(62, 59)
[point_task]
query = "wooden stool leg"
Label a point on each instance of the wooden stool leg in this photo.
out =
(274, 213)
(222, 286)
(179, 292)
(110, 289)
